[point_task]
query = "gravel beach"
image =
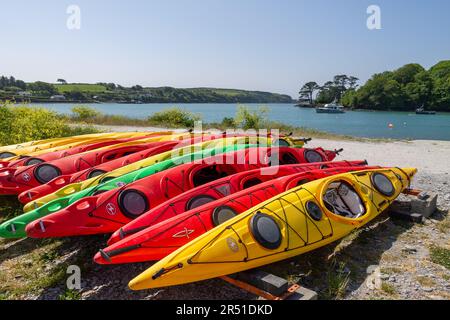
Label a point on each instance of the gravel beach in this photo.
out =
(402, 253)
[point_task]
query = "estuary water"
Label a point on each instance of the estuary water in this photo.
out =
(370, 124)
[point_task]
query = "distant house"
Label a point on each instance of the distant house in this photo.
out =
(58, 97)
(24, 93)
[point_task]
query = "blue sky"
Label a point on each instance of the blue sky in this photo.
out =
(249, 44)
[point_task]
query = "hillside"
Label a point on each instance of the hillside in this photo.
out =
(12, 89)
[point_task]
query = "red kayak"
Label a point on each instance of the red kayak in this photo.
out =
(180, 227)
(159, 147)
(110, 210)
(218, 189)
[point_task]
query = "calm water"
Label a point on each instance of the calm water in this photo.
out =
(354, 123)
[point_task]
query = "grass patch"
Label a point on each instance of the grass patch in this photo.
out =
(29, 272)
(425, 281)
(70, 295)
(337, 281)
(81, 87)
(30, 266)
(388, 288)
(444, 225)
(10, 207)
(390, 270)
(440, 256)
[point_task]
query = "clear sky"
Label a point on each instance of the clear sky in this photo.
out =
(250, 44)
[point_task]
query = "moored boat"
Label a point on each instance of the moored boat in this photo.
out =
(332, 107)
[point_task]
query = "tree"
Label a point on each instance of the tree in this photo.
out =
(62, 81)
(76, 95)
(407, 73)
(307, 91)
(43, 88)
(328, 92)
(111, 86)
(21, 84)
(137, 88)
(352, 82)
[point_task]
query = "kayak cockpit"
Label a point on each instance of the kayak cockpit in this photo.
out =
(211, 173)
(342, 199)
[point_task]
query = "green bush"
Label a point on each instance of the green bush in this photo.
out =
(174, 117)
(85, 113)
(251, 119)
(24, 123)
(228, 123)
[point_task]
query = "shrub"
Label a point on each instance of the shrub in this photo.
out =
(228, 123)
(174, 117)
(251, 119)
(24, 123)
(85, 113)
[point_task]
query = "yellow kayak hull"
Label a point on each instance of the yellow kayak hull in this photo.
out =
(182, 150)
(234, 246)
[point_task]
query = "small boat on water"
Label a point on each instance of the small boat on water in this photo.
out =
(422, 110)
(332, 107)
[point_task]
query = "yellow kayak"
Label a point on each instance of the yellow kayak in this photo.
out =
(10, 151)
(27, 144)
(71, 142)
(75, 187)
(300, 220)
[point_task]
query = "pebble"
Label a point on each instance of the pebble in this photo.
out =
(409, 249)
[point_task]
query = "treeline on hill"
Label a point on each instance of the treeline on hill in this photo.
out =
(406, 88)
(12, 89)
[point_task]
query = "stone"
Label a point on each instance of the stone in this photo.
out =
(425, 203)
(303, 294)
(265, 281)
(409, 249)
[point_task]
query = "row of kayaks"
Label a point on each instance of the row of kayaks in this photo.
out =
(203, 205)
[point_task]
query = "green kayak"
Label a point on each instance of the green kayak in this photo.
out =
(15, 228)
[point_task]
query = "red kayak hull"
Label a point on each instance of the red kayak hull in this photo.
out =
(164, 237)
(106, 212)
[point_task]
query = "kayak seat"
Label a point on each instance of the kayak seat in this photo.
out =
(341, 199)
